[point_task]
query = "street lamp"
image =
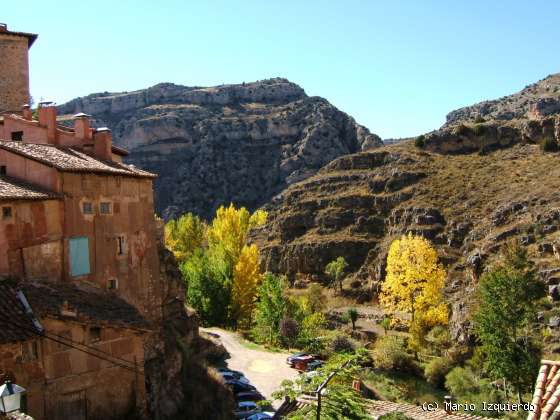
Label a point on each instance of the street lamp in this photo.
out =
(12, 398)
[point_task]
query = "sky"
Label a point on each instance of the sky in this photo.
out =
(398, 67)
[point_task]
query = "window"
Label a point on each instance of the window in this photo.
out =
(87, 207)
(94, 334)
(121, 245)
(6, 212)
(17, 135)
(3, 170)
(79, 256)
(113, 284)
(105, 207)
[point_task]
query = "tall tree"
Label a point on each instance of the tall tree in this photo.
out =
(352, 315)
(414, 286)
(335, 270)
(271, 306)
(506, 321)
(246, 279)
(184, 235)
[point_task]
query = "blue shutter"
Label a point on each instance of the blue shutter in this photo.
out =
(79, 256)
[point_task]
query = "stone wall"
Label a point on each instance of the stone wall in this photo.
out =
(14, 72)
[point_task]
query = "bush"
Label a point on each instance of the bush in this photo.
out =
(316, 297)
(420, 141)
(342, 344)
(461, 381)
(436, 369)
(479, 119)
(390, 354)
(549, 144)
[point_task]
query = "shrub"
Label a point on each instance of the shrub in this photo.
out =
(436, 369)
(390, 354)
(316, 297)
(479, 119)
(549, 144)
(420, 141)
(461, 381)
(342, 344)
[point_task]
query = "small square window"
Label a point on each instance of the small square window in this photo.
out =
(121, 245)
(87, 207)
(94, 334)
(6, 212)
(17, 135)
(113, 284)
(105, 208)
(3, 170)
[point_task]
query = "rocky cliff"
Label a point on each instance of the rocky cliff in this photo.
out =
(472, 186)
(232, 143)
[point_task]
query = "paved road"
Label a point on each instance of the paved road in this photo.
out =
(265, 370)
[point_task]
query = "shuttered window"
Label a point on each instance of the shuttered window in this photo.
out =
(79, 256)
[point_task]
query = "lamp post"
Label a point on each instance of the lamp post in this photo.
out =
(12, 398)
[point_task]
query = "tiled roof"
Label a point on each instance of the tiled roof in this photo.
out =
(547, 391)
(13, 189)
(69, 159)
(15, 324)
(62, 300)
(379, 408)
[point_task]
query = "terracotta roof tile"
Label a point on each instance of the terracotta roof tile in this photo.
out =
(379, 408)
(14, 189)
(69, 159)
(15, 324)
(91, 303)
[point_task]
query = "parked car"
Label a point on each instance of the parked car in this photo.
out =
(292, 359)
(301, 363)
(314, 365)
(261, 416)
(244, 409)
(249, 396)
(237, 386)
(233, 376)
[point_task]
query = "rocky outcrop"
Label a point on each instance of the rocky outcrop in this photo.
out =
(178, 382)
(232, 143)
(468, 205)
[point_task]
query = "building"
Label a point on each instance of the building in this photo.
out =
(80, 289)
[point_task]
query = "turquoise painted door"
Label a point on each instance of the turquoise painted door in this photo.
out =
(79, 256)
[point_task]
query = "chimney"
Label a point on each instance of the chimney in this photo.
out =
(103, 143)
(26, 112)
(47, 118)
(82, 126)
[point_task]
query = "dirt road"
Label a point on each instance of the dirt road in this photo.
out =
(265, 370)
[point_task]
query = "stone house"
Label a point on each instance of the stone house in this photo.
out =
(81, 292)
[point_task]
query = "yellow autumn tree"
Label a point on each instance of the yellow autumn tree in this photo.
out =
(230, 228)
(184, 235)
(414, 286)
(246, 279)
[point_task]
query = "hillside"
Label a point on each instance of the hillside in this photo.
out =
(470, 187)
(232, 143)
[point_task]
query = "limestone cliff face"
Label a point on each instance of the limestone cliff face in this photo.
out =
(473, 186)
(234, 143)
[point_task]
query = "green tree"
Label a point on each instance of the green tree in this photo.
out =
(316, 297)
(209, 286)
(184, 235)
(270, 308)
(505, 322)
(352, 314)
(335, 270)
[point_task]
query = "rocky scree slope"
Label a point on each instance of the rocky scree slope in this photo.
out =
(233, 143)
(476, 182)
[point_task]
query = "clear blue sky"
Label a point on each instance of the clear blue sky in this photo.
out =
(397, 66)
